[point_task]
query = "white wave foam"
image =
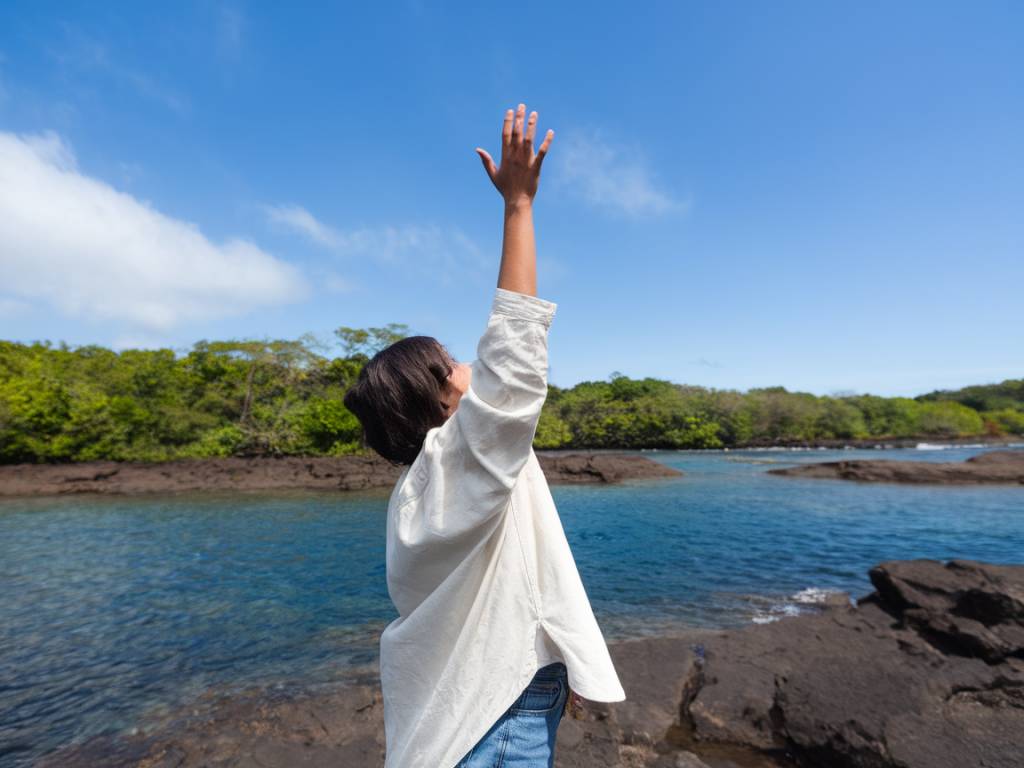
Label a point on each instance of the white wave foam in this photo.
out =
(814, 595)
(805, 601)
(948, 446)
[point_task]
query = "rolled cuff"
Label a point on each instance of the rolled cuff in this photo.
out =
(523, 306)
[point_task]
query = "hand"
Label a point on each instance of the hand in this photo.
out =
(519, 174)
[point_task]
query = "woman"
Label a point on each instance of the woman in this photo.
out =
(494, 624)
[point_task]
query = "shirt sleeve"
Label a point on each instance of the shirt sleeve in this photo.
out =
(476, 456)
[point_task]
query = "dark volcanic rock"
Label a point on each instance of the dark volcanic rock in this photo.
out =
(600, 467)
(885, 683)
(990, 467)
(255, 729)
(962, 607)
(341, 473)
(899, 680)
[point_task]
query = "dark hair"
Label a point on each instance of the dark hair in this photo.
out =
(397, 396)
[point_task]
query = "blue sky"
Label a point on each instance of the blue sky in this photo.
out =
(822, 196)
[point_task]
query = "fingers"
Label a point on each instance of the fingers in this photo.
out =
(506, 132)
(513, 137)
(542, 152)
(531, 128)
(488, 162)
(517, 126)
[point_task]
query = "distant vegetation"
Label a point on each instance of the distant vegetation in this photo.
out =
(246, 398)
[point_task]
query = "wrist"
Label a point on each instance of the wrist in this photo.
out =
(518, 203)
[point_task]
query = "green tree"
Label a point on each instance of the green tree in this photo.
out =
(369, 341)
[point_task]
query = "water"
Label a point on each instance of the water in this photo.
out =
(116, 608)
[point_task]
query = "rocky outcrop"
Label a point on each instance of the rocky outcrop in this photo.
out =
(599, 467)
(341, 473)
(925, 672)
(991, 467)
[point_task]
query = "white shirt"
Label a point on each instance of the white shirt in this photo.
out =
(478, 565)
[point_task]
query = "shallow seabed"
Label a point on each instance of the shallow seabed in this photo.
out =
(112, 608)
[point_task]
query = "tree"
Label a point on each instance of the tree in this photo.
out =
(369, 341)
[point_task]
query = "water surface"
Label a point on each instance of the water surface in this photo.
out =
(112, 608)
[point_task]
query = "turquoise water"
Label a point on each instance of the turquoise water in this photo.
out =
(116, 608)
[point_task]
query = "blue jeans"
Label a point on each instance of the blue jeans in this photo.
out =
(524, 736)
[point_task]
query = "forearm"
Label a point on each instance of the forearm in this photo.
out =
(518, 271)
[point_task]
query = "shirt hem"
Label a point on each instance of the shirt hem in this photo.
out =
(531, 670)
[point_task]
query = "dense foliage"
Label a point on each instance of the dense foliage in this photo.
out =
(280, 397)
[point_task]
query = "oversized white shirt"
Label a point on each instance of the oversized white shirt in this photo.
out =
(478, 565)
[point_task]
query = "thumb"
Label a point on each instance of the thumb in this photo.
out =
(488, 162)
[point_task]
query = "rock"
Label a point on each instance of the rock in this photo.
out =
(655, 672)
(333, 473)
(966, 608)
(600, 467)
(885, 683)
(993, 467)
(689, 760)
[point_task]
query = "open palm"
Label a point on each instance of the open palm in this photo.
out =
(519, 174)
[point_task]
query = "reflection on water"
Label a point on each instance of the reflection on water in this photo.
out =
(110, 607)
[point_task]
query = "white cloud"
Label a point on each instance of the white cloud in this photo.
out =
(439, 252)
(92, 252)
(613, 179)
(298, 219)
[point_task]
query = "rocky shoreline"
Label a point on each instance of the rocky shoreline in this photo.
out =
(347, 473)
(882, 443)
(342, 473)
(992, 467)
(925, 672)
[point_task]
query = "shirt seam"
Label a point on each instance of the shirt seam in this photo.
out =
(535, 598)
(421, 474)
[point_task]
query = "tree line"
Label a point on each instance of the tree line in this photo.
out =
(284, 397)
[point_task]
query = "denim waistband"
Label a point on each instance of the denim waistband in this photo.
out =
(551, 671)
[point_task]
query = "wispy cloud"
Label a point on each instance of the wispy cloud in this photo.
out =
(438, 252)
(75, 243)
(82, 54)
(335, 283)
(704, 362)
(298, 219)
(230, 32)
(617, 179)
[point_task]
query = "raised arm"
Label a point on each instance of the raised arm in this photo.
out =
(517, 180)
(471, 463)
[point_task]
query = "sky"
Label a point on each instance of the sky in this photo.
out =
(822, 196)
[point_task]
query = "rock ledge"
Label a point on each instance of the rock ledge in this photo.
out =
(991, 467)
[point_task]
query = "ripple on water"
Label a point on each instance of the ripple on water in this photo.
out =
(116, 607)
